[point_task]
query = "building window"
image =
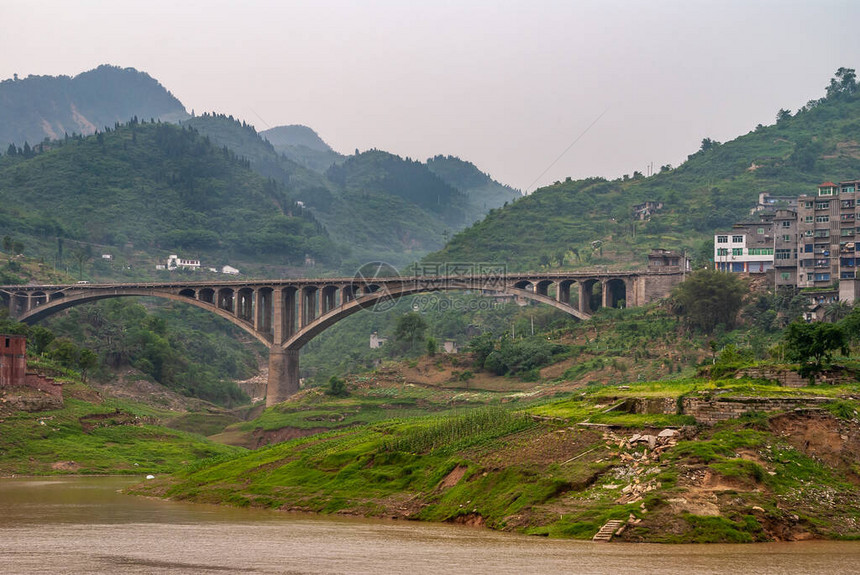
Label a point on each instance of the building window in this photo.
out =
(760, 231)
(847, 189)
(828, 191)
(722, 239)
(847, 232)
(785, 276)
(822, 277)
(822, 205)
(722, 251)
(846, 275)
(783, 254)
(822, 233)
(737, 239)
(785, 224)
(786, 238)
(761, 251)
(822, 219)
(737, 251)
(807, 219)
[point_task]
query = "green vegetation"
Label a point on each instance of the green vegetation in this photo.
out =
(185, 194)
(90, 435)
(581, 223)
(709, 298)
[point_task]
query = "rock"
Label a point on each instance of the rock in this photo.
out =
(669, 433)
(757, 508)
(150, 476)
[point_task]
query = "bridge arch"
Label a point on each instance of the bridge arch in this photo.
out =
(65, 301)
(298, 339)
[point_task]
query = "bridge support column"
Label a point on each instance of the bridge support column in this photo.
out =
(283, 375)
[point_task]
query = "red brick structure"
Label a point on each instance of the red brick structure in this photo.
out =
(13, 368)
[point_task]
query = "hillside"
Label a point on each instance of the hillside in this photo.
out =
(153, 189)
(39, 107)
(483, 191)
(303, 146)
(592, 222)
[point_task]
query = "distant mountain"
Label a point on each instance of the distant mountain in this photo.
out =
(484, 192)
(39, 107)
(592, 222)
(304, 146)
(376, 204)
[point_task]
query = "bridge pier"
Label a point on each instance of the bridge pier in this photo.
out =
(283, 375)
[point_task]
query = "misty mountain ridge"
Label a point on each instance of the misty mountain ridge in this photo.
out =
(39, 107)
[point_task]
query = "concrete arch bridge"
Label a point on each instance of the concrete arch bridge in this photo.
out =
(286, 314)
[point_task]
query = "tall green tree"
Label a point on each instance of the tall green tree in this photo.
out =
(709, 298)
(410, 330)
(813, 344)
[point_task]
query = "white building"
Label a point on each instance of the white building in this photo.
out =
(748, 248)
(229, 270)
(376, 342)
(175, 262)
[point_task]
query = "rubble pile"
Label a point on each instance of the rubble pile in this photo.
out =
(639, 464)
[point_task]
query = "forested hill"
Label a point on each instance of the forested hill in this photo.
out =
(591, 222)
(381, 206)
(154, 188)
(483, 191)
(39, 107)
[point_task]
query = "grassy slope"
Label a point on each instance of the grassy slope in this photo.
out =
(508, 471)
(92, 434)
(710, 191)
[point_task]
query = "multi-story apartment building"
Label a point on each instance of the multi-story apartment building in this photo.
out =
(747, 248)
(813, 245)
(785, 248)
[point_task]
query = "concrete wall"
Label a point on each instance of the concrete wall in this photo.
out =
(709, 410)
(13, 374)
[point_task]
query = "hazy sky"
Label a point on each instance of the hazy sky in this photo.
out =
(506, 84)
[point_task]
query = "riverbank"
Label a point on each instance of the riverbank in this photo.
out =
(82, 525)
(778, 477)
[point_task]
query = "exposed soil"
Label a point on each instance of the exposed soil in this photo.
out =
(132, 384)
(260, 437)
(819, 434)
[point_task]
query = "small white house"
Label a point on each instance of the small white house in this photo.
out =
(229, 270)
(376, 342)
(160, 267)
(107, 257)
(450, 346)
(174, 262)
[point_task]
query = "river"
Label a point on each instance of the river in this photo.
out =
(83, 525)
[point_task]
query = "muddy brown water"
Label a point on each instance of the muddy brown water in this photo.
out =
(83, 525)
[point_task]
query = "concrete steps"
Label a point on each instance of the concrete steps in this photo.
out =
(607, 531)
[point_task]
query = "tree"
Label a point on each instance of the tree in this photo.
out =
(843, 84)
(782, 115)
(40, 338)
(709, 298)
(336, 387)
(708, 144)
(410, 330)
(432, 346)
(837, 311)
(814, 341)
(87, 360)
